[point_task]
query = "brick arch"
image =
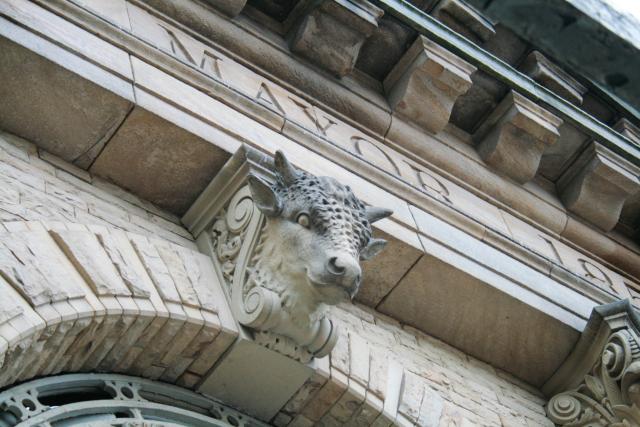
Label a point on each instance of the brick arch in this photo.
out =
(78, 299)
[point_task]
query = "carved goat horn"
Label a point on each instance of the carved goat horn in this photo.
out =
(285, 170)
(375, 214)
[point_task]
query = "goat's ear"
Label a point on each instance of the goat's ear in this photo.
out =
(265, 198)
(285, 170)
(372, 249)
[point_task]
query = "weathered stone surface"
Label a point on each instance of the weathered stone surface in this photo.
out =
(38, 82)
(31, 264)
(554, 78)
(514, 137)
(597, 185)
(426, 82)
(93, 263)
(159, 161)
(333, 32)
(421, 299)
(68, 95)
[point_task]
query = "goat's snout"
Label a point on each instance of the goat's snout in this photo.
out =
(344, 270)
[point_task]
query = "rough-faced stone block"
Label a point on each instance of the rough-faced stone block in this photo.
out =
(425, 84)
(513, 138)
(333, 32)
(90, 259)
(32, 266)
(597, 185)
(553, 77)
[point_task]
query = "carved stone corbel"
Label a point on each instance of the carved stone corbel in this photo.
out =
(287, 244)
(597, 185)
(464, 19)
(515, 135)
(426, 82)
(545, 72)
(333, 31)
(599, 383)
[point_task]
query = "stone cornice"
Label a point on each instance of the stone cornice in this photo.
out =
(475, 55)
(361, 163)
(361, 110)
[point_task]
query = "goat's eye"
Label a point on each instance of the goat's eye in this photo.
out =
(303, 220)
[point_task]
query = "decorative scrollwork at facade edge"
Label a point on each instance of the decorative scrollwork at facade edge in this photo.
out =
(609, 394)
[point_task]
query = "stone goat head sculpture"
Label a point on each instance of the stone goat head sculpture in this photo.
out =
(316, 233)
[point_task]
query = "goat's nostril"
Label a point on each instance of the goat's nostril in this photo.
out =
(335, 267)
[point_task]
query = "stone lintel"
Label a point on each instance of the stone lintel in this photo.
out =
(230, 8)
(597, 185)
(549, 75)
(515, 135)
(598, 383)
(426, 82)
(464, 19)
(331, 34)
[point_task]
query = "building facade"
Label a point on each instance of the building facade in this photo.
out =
(150, 257)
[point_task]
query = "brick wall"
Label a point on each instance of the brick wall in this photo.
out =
(37, 186)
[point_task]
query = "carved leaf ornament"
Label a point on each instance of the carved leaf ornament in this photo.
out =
(289, 249)
(609, 394)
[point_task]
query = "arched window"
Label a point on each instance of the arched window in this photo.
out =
(101, 400)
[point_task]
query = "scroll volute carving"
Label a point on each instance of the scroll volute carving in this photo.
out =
(288, 245)
(608, 394)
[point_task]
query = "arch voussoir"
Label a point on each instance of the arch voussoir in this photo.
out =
(93, 299)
